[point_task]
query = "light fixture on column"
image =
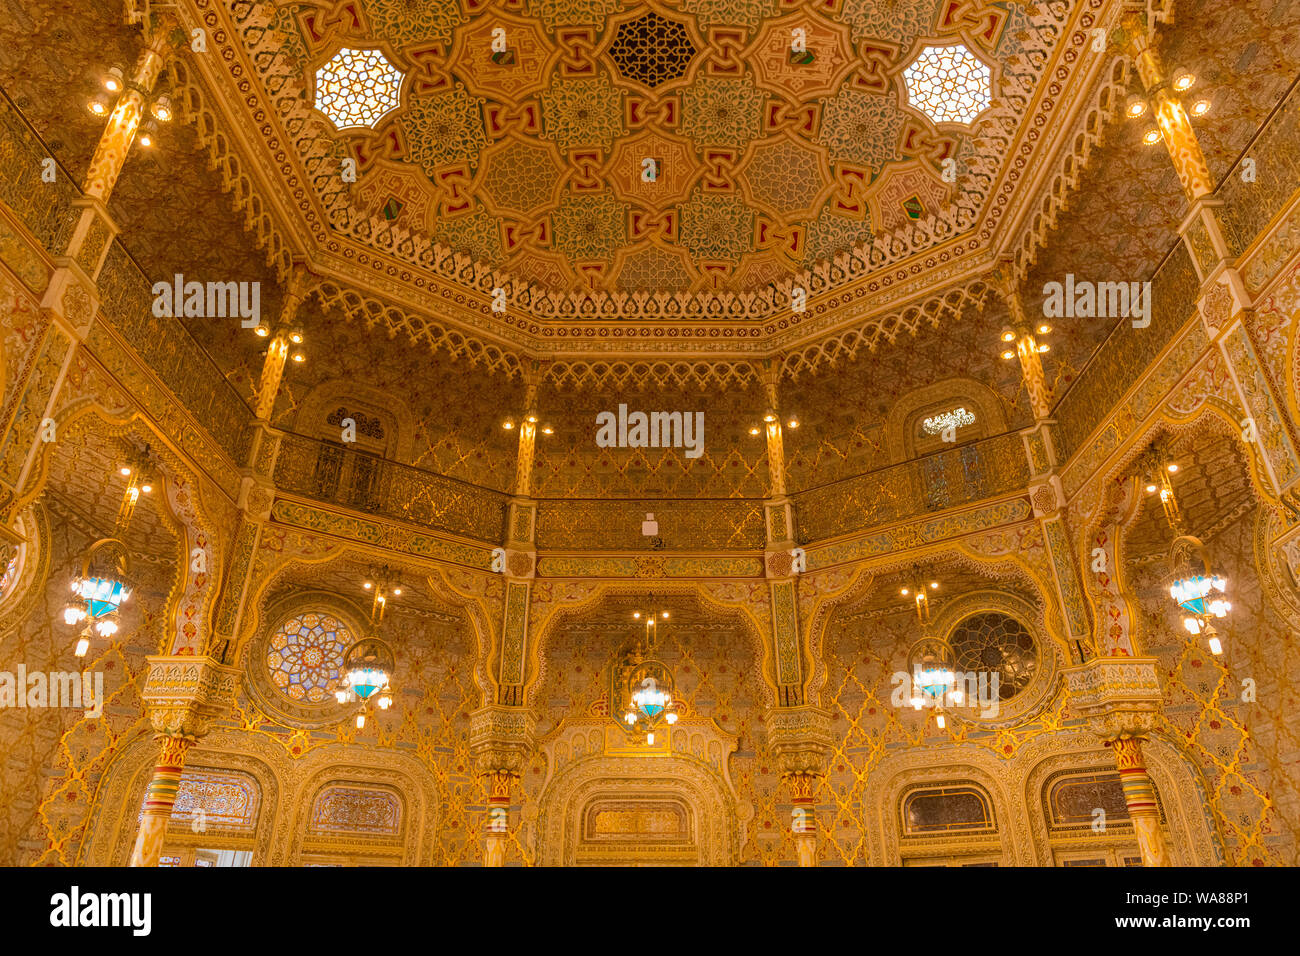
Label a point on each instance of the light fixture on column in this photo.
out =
(545, 428)
(770, 418)
(369, 664)
(115, 83)
(1023, 336)
(648, 682)
(162, 109)
(1180, 81)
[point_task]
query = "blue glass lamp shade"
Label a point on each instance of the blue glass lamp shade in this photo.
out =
(102, 595)
(649, 699)
(1193, 594)
(366, 681)
(935, 681)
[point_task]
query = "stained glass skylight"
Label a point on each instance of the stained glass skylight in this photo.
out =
(949, 84)
(305, 656)
(357, 88)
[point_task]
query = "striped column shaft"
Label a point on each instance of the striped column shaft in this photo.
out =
(1140, 797)
(1139, 792)
(497, 830)
(803, 824)
(159, 798)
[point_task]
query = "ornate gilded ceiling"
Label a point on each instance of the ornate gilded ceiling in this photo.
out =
(684, 165)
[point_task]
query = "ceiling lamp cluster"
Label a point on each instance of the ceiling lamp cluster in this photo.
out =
(1179, 82)
(102, 587)
(530, 419)
(369, 664)
(1199, 593)
(649, 683)
(115, 83)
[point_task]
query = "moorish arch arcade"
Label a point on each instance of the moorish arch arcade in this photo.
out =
(468, 433)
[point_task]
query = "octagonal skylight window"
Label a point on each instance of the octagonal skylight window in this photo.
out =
(357, 88)
(949, 84)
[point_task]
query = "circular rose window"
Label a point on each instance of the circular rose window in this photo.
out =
(304, 656)
(996, 643)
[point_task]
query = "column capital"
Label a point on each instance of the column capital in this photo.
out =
(501, 739)
(1119, 696)
(183, 694)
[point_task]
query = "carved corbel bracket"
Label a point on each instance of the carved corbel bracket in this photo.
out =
(1118, 696)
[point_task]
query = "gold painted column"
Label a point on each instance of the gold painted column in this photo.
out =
(783, 559)
(1026, 345)
(71, 298)
(1120, 697)
(277, 351)
(518, 557)
(182, 696)
(1046, 494)
(800, 738)
(124, 121)
(501, 740)
(1175, 125)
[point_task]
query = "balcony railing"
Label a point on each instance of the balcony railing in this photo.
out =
(338, 475)
(947, 479)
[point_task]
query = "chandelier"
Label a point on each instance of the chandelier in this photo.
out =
(103, 585)
(649, 683)
(98, 592)
(1199, 593)
(1197, 590)
(369, 664)
(930, 661)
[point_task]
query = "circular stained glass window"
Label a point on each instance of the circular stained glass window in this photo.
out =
(996, 643)
(305, 656)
